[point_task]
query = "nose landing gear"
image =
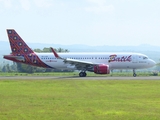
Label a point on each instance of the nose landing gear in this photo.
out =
(134, 73)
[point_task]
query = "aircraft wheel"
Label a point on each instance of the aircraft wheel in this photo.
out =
(134, 74)
(85, 74)
(82, 74)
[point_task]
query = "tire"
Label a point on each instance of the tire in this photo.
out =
(82, 74)
(134, 74)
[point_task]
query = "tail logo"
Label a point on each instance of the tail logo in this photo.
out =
(21, 52)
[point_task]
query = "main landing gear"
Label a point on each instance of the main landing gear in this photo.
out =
(82, 74)
(134, 73)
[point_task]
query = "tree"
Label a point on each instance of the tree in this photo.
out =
(45, 50)
(38, 50)
(4, 69)
(62, 50)
(25, 68)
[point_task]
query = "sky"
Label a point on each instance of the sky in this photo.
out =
(88, 22)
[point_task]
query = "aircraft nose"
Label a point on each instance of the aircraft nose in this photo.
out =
(152, 63)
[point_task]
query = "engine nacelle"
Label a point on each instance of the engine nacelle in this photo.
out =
(101, 69)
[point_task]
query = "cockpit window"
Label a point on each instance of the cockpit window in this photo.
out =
(145, 58)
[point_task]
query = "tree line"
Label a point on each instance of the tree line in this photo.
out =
(45, 50)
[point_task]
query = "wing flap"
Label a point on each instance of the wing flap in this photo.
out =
(73, 61)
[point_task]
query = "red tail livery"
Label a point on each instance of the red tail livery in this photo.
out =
(21, 52)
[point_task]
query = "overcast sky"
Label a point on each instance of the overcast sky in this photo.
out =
(90, 22)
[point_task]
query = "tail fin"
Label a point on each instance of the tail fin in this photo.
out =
(21, 52)
(18, 46)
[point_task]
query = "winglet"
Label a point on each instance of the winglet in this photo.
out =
(55, 53)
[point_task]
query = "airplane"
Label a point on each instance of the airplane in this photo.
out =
(99, 63)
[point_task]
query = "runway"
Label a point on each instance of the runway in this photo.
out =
(77, 78)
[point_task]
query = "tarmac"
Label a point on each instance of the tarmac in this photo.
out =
(78, 78)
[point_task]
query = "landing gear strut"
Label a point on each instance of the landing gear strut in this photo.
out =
(82, 74)
(134, 73)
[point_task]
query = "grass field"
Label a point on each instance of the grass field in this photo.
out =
(80, 99)
(76, 74)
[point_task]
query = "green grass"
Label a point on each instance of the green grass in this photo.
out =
(79, 99)
(76, 74)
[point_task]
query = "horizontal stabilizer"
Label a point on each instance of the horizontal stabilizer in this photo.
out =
(20, 58)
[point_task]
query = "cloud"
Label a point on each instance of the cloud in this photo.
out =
(99, 9)
(99, 6)
(7, 3)
(25, 4)
(43, 3)
(99, 2)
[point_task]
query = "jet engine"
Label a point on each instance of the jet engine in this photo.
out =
(101, 69)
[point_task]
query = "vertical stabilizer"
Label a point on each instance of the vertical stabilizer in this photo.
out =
(18, 46)
(21, 52)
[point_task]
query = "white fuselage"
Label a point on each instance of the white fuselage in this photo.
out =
(99, 63)
(114, 60)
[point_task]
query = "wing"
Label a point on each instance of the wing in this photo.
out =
(80, 65)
